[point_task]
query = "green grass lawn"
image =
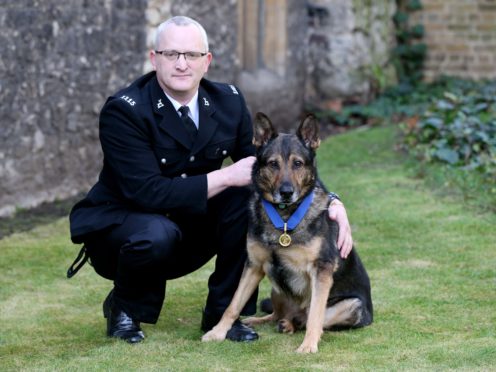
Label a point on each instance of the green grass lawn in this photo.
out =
(431, 260)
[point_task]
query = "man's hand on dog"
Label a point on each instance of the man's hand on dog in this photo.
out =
(240, 172)
(237, 174)
(337, 212)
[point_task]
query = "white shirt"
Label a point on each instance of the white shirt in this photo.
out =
(194, 112)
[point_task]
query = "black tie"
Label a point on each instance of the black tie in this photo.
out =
(188, 122)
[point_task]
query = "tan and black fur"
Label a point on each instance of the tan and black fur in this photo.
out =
(313, 287)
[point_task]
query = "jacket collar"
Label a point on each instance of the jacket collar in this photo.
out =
(208, 124)
(172, 124)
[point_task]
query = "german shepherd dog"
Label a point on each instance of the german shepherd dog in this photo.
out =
(312, 286)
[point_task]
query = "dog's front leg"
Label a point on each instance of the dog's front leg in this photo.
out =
(321, 285)
(249, 281)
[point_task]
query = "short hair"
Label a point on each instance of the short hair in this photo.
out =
(180, 21)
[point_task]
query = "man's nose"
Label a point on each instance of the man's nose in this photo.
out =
(181, 62)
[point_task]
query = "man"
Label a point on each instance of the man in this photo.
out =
(163, 206)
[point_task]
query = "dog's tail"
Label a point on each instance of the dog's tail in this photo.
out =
(266, 306)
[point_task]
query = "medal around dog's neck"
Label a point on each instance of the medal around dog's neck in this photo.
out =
(295, 217)
(289, 224)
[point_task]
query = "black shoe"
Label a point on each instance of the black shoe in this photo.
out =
(119, 324)
(239, 332)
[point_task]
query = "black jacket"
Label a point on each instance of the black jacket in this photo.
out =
(149, 162)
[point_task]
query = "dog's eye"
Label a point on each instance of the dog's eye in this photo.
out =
(297, 164)
(273, 164)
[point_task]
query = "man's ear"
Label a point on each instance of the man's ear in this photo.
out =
(308, 132)
(208, 60)
(152, 55)
(263, 130)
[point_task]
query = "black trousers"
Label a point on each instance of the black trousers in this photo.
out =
(148, 249)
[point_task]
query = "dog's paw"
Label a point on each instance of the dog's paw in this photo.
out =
(251, 321)
(255, 320)
(306, 348)
(285, 326)
(214, 335)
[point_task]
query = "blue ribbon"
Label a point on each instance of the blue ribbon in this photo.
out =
(295, 218)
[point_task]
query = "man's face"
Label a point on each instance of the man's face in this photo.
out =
(181, 77)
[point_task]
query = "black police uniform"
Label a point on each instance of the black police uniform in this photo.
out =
(148, 219)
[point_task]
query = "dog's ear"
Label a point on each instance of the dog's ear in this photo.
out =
(263, 130)
(308, 132)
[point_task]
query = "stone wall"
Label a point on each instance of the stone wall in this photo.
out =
(62, 59)
(460, 37)
(349, 41)
(58, 63)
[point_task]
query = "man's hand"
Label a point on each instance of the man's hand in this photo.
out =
(237, 174)
(337, 212)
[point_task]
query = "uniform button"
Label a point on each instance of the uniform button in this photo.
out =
(163, 160)
(224, 152)
(192, 158)
(184, 175)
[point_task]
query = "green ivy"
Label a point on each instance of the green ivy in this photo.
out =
(409, 54)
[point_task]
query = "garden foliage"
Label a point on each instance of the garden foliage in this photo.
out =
(458, 128)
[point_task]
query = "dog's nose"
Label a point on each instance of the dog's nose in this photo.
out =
(286, 191)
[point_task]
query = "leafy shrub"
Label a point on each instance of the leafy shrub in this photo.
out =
(393, 105)
(458, 128)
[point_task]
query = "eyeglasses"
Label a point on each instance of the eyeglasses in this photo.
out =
(173, 55)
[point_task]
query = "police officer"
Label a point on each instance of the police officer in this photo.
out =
(163, 206)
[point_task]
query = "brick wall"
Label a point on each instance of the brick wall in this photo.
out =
(461, 37)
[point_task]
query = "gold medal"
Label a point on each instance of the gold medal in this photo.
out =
(285, 239)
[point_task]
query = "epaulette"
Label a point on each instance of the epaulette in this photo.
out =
(128, 99)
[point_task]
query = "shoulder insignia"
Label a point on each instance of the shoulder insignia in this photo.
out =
(129, 100)
(233, 88)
